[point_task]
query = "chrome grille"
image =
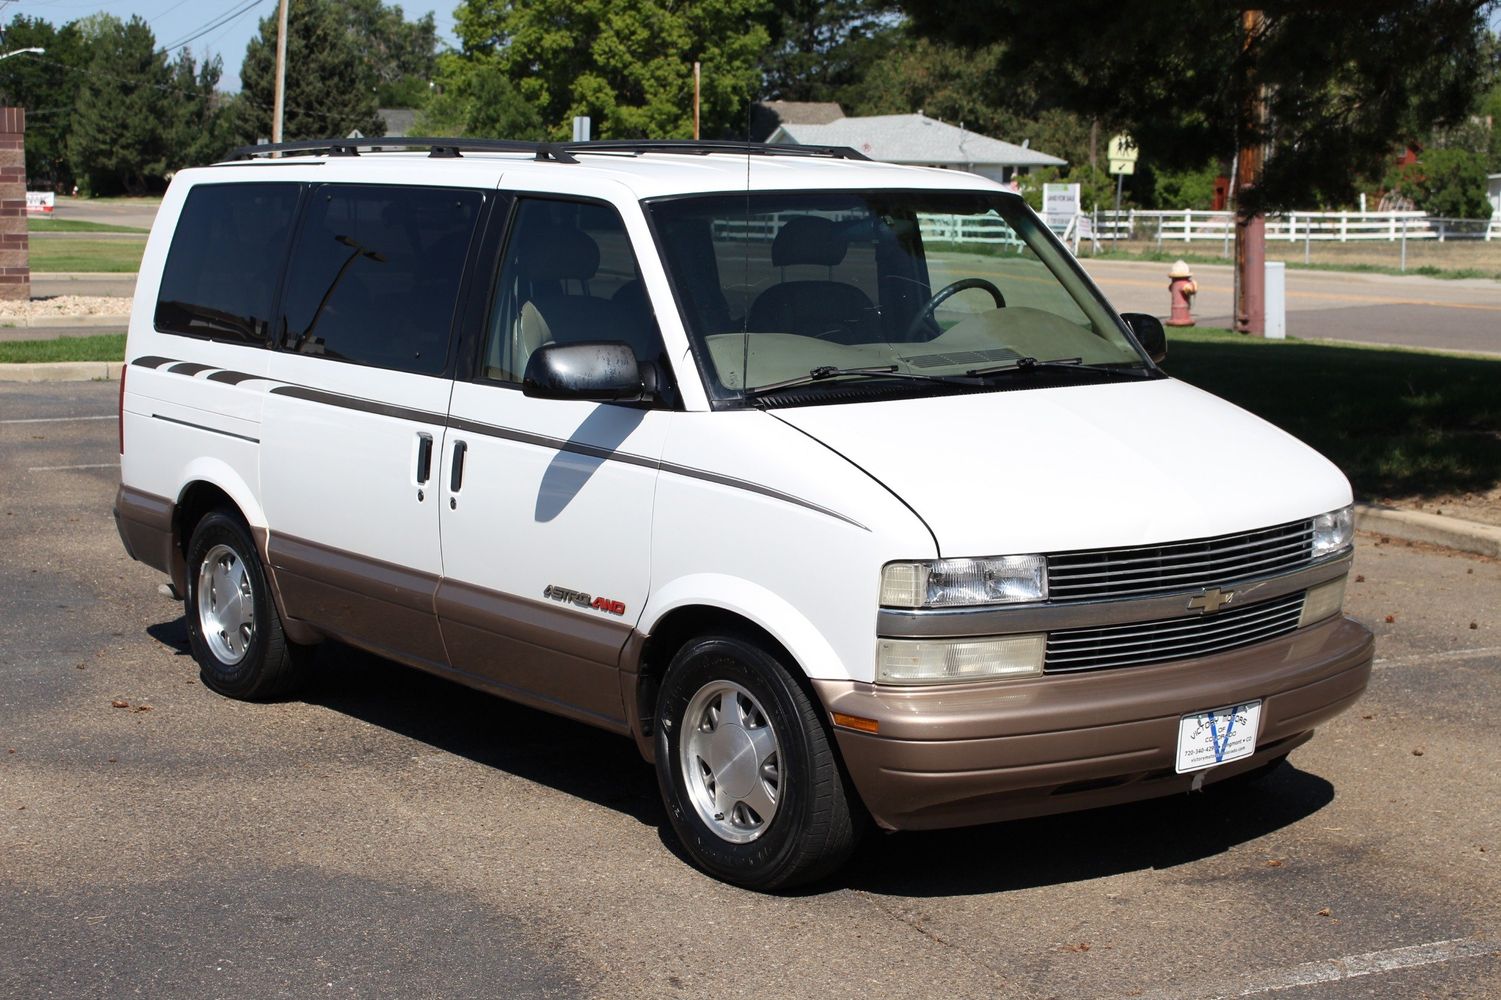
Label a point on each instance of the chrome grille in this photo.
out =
(1172, 638)
(1179, 566)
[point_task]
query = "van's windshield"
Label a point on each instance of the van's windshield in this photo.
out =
(911, 291)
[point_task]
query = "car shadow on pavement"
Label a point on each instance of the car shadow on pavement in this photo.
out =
(172, 634)
(574, 758)
(1073, 847)
(604, 769)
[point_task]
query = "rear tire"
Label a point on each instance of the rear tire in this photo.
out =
(747, 769)
(233, 628)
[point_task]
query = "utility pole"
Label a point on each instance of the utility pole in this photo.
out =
(1250, 231)
(695, 98)
(279, 103)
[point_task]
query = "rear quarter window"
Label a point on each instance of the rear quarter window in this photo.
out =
(375, 274)
(226, 257)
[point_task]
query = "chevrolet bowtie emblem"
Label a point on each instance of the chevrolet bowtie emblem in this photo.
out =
(1211, 600)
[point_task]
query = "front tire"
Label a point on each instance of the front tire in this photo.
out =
(233, 628)
(747, 769)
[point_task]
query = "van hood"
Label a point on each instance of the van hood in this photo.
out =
(1054, 469)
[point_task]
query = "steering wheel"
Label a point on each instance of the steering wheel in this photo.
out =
(943, 295)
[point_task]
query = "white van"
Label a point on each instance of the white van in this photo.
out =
(835, 485)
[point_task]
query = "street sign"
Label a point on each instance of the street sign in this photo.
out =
(1123, 154)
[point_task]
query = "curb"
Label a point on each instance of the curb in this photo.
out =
(67, 322)
(82, 275)
(1413, 526)
(62, 371)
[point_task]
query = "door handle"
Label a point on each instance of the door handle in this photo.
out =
(424, 458)
(456, 473)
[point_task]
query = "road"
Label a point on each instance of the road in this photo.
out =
(1407, 310)
(393, 834)
(138, 212)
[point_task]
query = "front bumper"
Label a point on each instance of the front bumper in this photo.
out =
(957, 755)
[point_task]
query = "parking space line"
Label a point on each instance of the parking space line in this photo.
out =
(1334, 970)
(1452, 656)
(67, 468)
(57, 420)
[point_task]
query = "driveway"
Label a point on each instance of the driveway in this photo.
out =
(393, 834)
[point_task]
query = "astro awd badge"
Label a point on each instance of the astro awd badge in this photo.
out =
(581, 600)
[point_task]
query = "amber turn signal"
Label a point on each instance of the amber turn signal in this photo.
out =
(855, 722)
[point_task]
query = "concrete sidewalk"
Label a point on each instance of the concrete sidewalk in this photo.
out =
(47, 284)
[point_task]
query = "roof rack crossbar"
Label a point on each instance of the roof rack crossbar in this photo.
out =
(702, 147)
(556, 152)
(436, 146)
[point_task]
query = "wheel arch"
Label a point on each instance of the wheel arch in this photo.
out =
(720, 607)
(211, 485)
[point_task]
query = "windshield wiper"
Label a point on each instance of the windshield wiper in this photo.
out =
(1067, 364)
(827, 372)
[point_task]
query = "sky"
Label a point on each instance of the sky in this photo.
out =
(226, 26)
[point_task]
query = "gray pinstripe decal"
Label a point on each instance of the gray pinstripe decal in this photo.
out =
(489, 430)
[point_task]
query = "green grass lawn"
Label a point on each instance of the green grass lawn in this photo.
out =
(118, 256)
(1188, 256)
(42, 224)
(1399, 423)
(104, 347)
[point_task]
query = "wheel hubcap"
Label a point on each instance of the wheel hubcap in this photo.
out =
(226, 604)
(730, 761)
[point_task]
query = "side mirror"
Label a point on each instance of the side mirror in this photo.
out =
(1149, 334)
(603, 371)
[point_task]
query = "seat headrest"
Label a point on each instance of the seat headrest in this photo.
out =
(563, 255)
(809, 239)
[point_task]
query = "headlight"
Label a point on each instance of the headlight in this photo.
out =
(1333, 531)
(933, 661)
(949, 583)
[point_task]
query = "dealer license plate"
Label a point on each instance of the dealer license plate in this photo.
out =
(1208, 739)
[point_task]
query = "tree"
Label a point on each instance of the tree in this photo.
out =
(1448, 183)
(116, 143)
(400, 56)
(330, 88)
(476, 98)
(200, 128)
(821, 48)
(628, 64)
(1345, 81)
(44, 86)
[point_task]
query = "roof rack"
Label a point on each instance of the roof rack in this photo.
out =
(556, 152)
(439, 147)
(702, 147)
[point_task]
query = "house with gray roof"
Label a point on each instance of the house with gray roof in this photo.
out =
(920, 141)
(765, 116)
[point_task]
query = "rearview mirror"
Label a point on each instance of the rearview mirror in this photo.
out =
(603, 371)
(1149, 334)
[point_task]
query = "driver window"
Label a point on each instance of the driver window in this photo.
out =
(951, 246)
(567, 275)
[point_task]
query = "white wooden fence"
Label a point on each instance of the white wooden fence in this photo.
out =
(1295, 227)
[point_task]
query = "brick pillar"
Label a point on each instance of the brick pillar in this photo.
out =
(15, 261)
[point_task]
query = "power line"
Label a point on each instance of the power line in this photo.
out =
(214, 24)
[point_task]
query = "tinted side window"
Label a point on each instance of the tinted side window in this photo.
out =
(226, 257)
(568, 274)
(375, 274)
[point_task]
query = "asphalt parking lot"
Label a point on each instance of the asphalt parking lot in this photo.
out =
(390, 834)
